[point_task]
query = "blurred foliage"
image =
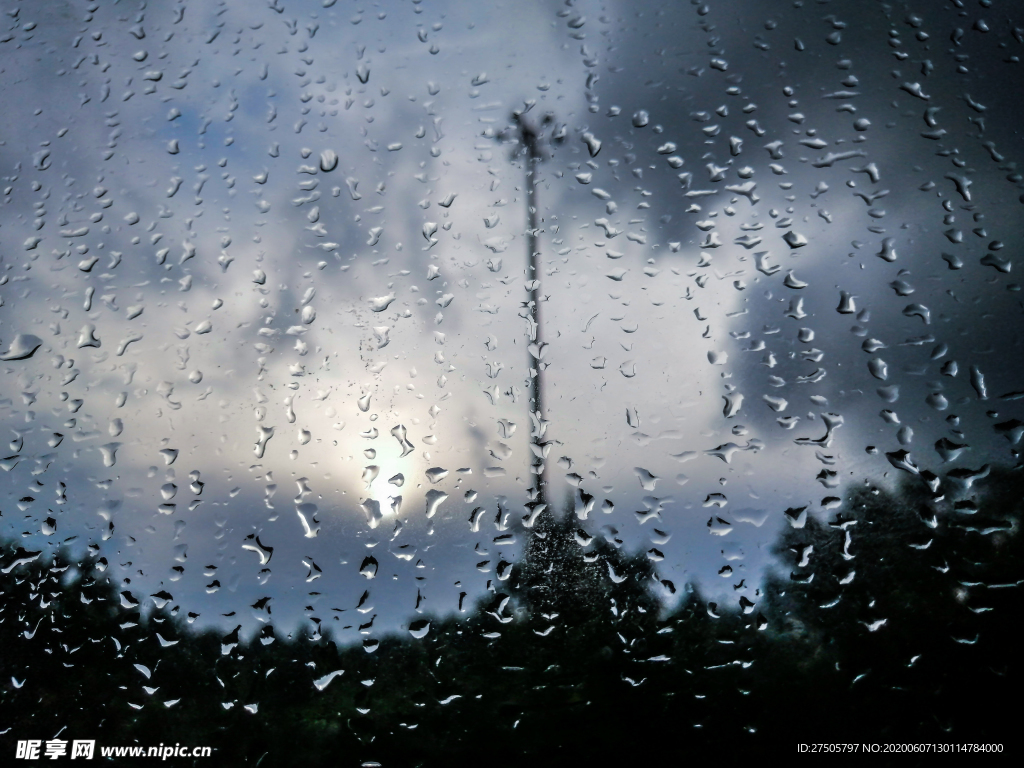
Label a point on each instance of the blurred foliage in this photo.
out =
(890, 620)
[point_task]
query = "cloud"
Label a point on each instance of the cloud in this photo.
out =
(168, 200)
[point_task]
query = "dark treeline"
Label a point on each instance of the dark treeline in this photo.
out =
(891, 620)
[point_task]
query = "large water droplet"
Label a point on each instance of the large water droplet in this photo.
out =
(328, 160)
(22, 347)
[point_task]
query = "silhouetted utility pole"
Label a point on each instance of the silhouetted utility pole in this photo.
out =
(531, 138)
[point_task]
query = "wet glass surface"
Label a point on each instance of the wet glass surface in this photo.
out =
(384, 382)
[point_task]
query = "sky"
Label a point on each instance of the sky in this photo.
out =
(262, 306)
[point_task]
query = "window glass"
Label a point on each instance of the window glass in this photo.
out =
(399, 380)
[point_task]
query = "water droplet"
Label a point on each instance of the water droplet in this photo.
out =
(847, 305)
(109, 453)
(253, 544)
(22, 347)
(436, 474)
(328, 160)
(263, 435)
(792, 282)
(978, 382)
(307, 517)
(901, 460)
(381, 303)
(87, 336)
(369, 566)
(322, 682)
(434, 500)
(795, 239)
(371, 507)
(918, 310)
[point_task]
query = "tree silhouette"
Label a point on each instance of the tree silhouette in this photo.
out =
(569, 655)
(906, 595)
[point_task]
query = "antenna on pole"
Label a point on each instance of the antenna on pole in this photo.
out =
(532, 139)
